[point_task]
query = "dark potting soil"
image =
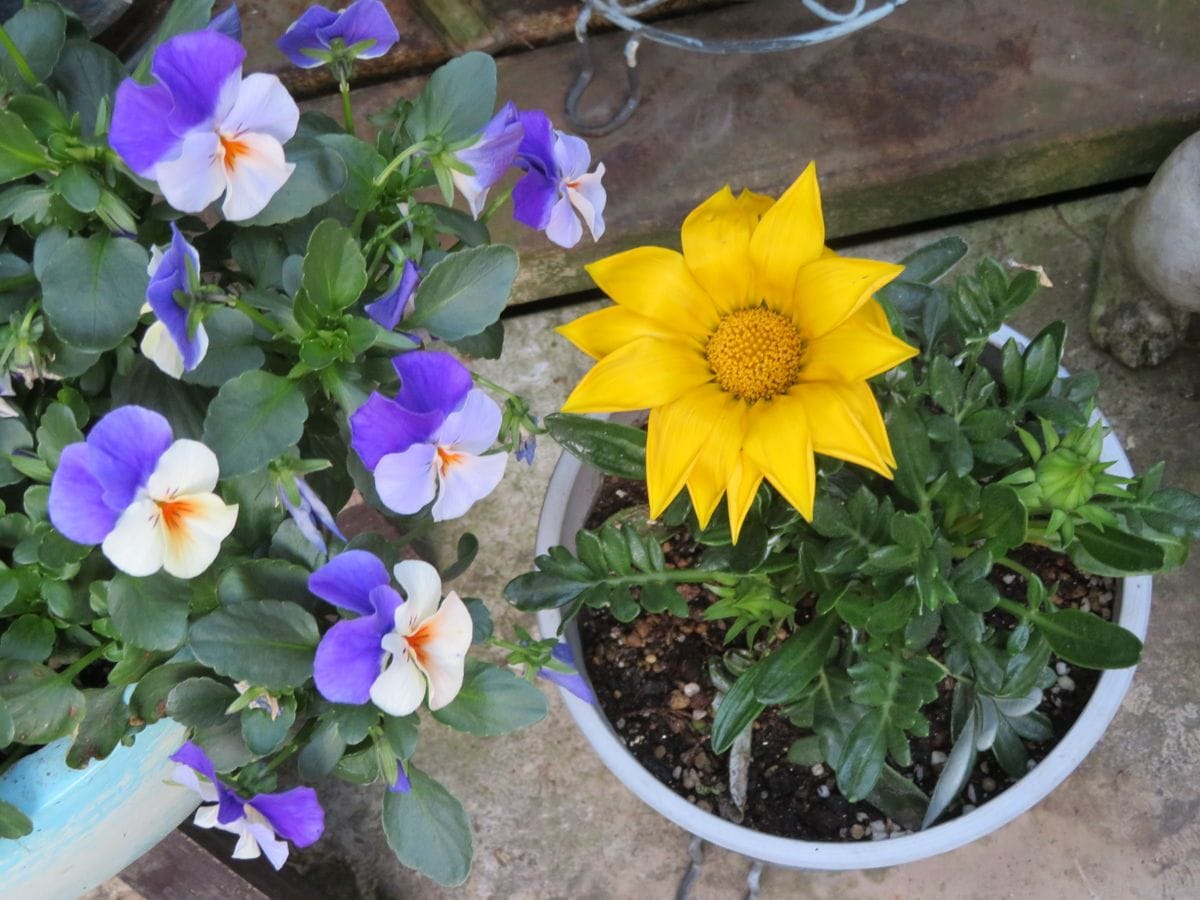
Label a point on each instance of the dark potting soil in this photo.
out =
(651, 680)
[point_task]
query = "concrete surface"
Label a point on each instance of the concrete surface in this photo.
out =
(552, 823)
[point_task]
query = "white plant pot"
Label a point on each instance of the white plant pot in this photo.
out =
(569, 497)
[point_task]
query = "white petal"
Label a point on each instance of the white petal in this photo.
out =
(400, 687)
(440, 649)
(422, 589)
(263, 106)
(254, 175)
(196, 177)
(473, 426)
(187, 467)
(465, 480)
(136, 545)
(206, 817)
(275, 850)
(185, 776)
(160, 349)
(156, 255)
(588, 196)
(247, 846)
(473, 193)
(193, 538)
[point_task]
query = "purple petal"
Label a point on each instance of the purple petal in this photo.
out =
(304, 34)
(571, 155)
(533, 199)
(348, 579)
(403, 784)
(171, 276)
(382, 426)
(571, 681)
(496, 149)
(349, 659)
(295, 815)
(393, 306)
(302, 515)
(195, 67)
(431, 380)
(536, 152)
(139, 132)
(364, 20)
(526, 449)
(77, 507)
(406, 482)
(319, 509)
(228, 23)
(195, 758)
(123, 449)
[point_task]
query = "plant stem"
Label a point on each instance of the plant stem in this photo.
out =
(940, 665)
(347, 111)
(69, 673)
(18, 58)
(255, 316)
(1015, 566)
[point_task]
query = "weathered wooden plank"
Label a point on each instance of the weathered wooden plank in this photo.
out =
(938, 109)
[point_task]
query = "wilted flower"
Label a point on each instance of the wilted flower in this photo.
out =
(264, 823)
(310, 513)
(146, 499)
(557, 184)
(488, 157)
(397, 645)
(169, 342)
(567, 677)
(390, 309)
(202, 130)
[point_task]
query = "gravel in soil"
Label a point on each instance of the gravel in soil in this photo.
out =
(650, 678)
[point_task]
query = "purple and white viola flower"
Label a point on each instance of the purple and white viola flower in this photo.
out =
(309, 514)
(264, 824)
(145, 498)
(202, 130)
(490, 154)
(397, 646)
(398, 303)
(557, 185)
(169, 343)
(569, 681)
(430, 443)
(365, 30)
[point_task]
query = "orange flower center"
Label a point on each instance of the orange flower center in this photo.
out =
(755, 353)
(446, 459)
(175, 512)
(231, 149)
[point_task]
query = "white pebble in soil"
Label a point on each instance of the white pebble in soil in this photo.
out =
(823, 791)
(1066, 683)
(818, 770)
(691, 689)
(1061, 668)
(937, 758)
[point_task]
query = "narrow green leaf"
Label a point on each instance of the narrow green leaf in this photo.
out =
(20, 152)
(738, 710)
(1087, 640)
(784, 675)
(612, 448)
(954, 773)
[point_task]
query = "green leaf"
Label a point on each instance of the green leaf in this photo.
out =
(105, 721)
(955, 772)
(93, 289)
(200, 702)
(457, 100)
(465, 292)
(29, 638)
(322, 752)
(1087, 640)
(1040, 361)
(1173, 511)
(13, 436)
(1113, 552)
(429, 831)
(134, 664)
(38, 31)
(13, 823)
(264, 735)
(334, 272)
(76, 185)
(319, 175)
(184, 405)
(149, 698)
(150, 612)
(266, 642)
(263, 579)
(914, 455)
(492, 701)
(20, 152)
(85, 75)
(56, 430)
(929, 263)
(737, 712)
(363, 163)
(488, 344)
(862, 757)
(254, 419)
(43, 706)
(612, 448)
(6, 726)
(232, 349)
(784, 675)
(259, 253)
(1005, 519)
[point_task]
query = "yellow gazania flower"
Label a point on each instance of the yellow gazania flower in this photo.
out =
(751, 349)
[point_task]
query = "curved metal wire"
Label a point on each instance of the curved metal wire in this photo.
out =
(624, 16)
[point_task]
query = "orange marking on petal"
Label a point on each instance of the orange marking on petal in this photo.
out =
(175, 514)
(447, 459)
(231, 149)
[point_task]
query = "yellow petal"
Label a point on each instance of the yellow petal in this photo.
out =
(676, 435)
(601, 332)
(830, 290)
(779, 441)
(847, 424)
(646, 373)
(716, 245)
(854, 351)
(714, 466)
(743, 485)
(791, 235)
(656, 283)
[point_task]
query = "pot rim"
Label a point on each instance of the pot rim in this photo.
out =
(566, 490)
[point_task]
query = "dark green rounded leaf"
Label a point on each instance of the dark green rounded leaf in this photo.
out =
(492, 701)
(199, 702)
(254, 419)
(149, 612)
(232, 349)
(13, 823)
(43, 706)
(93, 290)
(265, 642)
(20, 152)
(38, 31)
(105, 721)
(429, 831)
(465, 292)
(334, 271)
